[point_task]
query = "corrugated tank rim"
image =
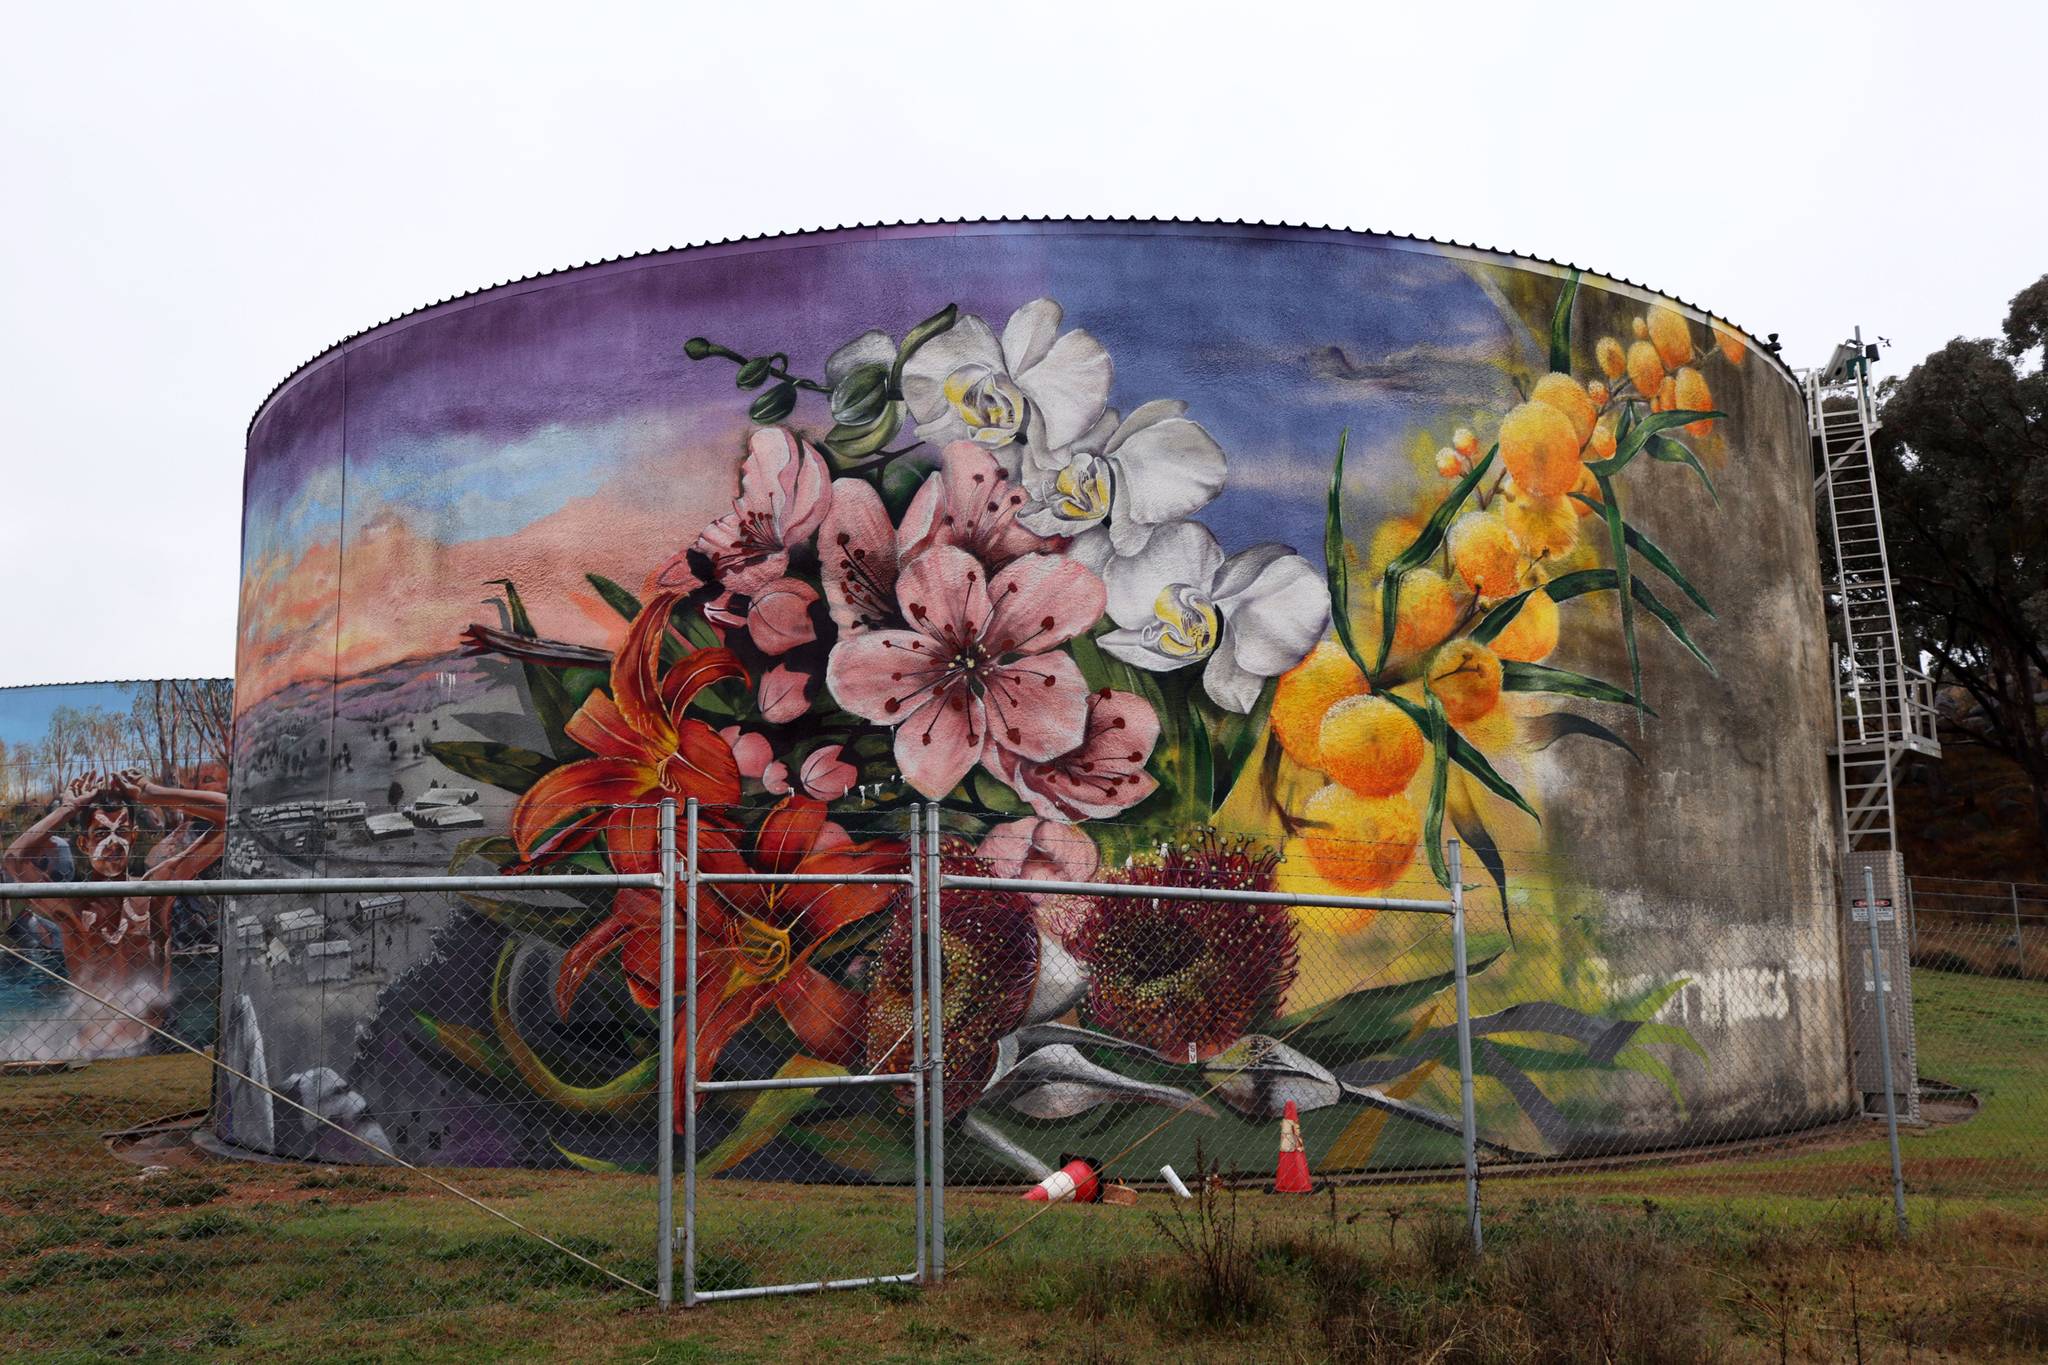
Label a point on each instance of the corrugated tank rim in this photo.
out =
(952, 227)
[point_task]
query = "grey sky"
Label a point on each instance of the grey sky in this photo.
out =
(201, 196)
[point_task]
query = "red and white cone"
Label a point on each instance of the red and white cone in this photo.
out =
(1292, 1177)
(1077, 1180)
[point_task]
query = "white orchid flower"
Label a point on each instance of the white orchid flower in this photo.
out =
(1178, 602)
(1122, 479)
(1032, 392)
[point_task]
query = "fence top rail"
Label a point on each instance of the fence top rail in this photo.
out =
(807, 878)
(310, 886)
(1197, 893)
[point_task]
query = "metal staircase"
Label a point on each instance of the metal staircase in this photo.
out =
(1884, 707)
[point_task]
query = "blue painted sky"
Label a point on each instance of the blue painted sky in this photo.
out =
(481, 419)
(25, 711)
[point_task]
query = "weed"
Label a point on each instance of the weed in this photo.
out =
(1216, 1251)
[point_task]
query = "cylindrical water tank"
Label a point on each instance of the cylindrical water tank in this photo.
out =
(1171, 553)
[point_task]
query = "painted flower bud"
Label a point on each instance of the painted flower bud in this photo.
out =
(1645, 368)
(754, 373)
(859, 398)
(1608, 352)
(1464, 442)
(774, 405)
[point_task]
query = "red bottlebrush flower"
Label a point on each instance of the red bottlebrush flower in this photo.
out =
(988, 947)
(1176, 974)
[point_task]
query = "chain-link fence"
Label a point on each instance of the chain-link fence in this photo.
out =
(452, 1072)
(1985, 927)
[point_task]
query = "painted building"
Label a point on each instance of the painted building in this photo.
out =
(110, 781)
(1163, 552)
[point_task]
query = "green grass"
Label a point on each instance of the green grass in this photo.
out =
(297, 1263)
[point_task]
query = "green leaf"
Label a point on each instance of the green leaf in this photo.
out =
(1645, 1003)
(551, 705)
(1627, 447)
(917, 336)
(1561, 327)
(620, 1092)
(1658, 560)
(1546, 730)
(1677, 452)
(596, 1165)
(560, 925)
(1520, 677)
(1416, 555)
(1363, 1021)
(1468, 758)
(1650, 603)
(615, 597)
(1617, 540)
(770, 1113)
(522, 624)
(901, 478)
(1238, 737)
(1674, 1035)
(1471, 827)
(991, 793)
(1336, 561)
(1436, 731)
(1637, 1060)
(1501, 616)
(1585, 581)
(498, 765)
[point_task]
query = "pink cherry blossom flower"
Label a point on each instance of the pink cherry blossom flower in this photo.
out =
(1039, 850)
(784, 695)
(979, 674)
(857, 554)
(780, 618)
(967, 502)
(751, 751)
(1100, 776)
(785, 492)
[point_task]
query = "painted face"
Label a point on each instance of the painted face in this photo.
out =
(989, 403)
(106, 840)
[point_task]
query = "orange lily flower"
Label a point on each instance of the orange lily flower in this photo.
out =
(754, 939)
(643, 748)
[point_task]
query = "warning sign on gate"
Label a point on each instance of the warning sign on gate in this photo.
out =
(1859, 910)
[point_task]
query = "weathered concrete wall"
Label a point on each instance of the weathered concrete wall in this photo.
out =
(1083, 475)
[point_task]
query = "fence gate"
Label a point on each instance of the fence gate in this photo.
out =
(749, 922)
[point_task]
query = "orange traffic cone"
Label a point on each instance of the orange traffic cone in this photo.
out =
(1077, 1180)
(1292, 1176)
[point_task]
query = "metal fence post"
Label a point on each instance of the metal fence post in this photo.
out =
(935, 992)
(917, 1025)
(1469, 1105)
(2019, 944)
(665, 1133)
(1880, 983)
(689, 1056)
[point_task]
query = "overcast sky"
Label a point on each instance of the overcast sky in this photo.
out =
(201, 196)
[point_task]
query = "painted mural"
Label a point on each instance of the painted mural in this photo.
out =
(109, 782)
(1252, 560)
